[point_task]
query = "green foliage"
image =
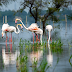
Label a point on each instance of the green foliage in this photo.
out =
(70, 46)
(27, 47)
(22, 63)
(56, 46)
(43, 65)
(54, 18)
(22, 59)
(6, 2)
(70, 60)
(70, 16)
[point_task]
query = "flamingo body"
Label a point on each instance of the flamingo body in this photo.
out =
(49, 28)
(39, 31)
(6, 28)
(11, 29)
(33, 27)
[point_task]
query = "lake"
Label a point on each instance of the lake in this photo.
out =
(23, 56)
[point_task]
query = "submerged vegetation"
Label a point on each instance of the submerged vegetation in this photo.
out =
(34, 51)
(56, 46)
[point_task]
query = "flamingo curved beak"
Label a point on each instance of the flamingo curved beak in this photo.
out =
(2, 36)
(15, 21)
(21, 27)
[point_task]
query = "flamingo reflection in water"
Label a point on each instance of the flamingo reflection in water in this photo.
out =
(9, 57)
(35, 56)
(49, 56)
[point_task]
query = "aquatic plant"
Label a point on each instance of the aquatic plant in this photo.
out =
(70, 60)
(22, 59)
(56, 46)
(27, 47)
(43, 66)
(22, 63)
(69, 45)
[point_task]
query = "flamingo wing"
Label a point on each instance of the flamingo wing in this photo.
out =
(10, 28)
(4, 27)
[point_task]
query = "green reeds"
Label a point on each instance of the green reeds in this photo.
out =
(26, 47)
(56, 46)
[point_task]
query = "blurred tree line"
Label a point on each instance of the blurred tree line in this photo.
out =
(11, 15)
(51, 6)
(36, 7)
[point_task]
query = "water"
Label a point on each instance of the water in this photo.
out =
(37, 56)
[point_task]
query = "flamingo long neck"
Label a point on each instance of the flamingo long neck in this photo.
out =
(41, 38)
(49, 37)
(16, 31)
(24, 25)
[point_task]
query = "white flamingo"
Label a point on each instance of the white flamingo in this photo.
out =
(33, 27)
(6, 28)
(49, 28)
(9, 57)
(40, 32)
(36, 55)
(49, 56)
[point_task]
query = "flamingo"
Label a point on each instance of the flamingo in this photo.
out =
(9, 57)
(6, 28)
(35, 55)
(33, 27)
(49, 56)
(49, 28)
(40, 32)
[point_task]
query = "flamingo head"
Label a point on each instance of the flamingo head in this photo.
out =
(20, 25)
(3, 34)
(16, 20)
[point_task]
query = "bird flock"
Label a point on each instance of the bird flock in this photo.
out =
(34, 28)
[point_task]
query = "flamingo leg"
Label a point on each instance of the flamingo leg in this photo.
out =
(11, 37)
(6, 37)
(10, 40)
(39, 38)
(47, 36)
(36, 37)
(10, 47)
(33, 37)
(6, 47)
